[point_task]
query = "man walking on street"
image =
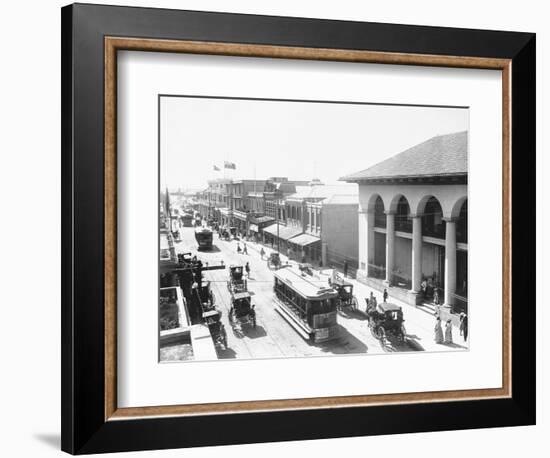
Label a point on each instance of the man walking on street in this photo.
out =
(464, 326)
(385, 295)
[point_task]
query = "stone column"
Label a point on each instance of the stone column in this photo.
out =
(390, 242)
(416, 261)
(370, 239)
(366, 240)
(450, 261)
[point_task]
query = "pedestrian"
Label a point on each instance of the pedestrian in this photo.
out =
(438, 331)
(262, 253)
(345, 268)
(245, 249)
(238, 247)
(448, 332)
(464, 326)
(385, 295)
(247, 268)
(436, 295)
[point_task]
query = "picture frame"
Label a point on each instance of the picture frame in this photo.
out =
(91, 37)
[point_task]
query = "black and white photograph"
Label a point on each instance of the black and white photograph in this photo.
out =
(307, 228)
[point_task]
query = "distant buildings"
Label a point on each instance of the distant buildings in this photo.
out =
(413, 221)
(307, 220)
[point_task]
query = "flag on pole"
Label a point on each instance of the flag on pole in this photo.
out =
(229, 165)
(216, 168)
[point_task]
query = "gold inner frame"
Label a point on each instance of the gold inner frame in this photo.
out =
(114, 44)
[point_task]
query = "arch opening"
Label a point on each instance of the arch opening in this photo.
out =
(403, 222)
(379, 215)
(432, 219)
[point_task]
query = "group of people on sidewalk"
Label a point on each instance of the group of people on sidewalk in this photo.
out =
(446, 337)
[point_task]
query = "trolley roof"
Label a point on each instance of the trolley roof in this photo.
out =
(306, 286)
(388, 307)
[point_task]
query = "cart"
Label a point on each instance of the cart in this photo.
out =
(386, 320)
(242, 310)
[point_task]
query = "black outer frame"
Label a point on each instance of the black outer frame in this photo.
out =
(84, 429)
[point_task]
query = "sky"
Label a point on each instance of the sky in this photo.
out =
(299, 140)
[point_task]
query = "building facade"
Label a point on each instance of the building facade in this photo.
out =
(413, 220)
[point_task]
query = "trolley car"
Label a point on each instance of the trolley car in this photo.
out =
(186, 220)
(203, 236)
(308, 306)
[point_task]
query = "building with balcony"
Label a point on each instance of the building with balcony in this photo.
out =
(320, 224)
(413, 220)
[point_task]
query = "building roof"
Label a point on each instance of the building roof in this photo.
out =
(443, 155)
(318, 192)
(342, 199)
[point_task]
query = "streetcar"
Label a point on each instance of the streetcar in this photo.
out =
(307, 305)
(203, 236)
(186, 220)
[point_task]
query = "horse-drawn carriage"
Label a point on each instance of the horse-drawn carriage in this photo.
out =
(386, 320)
(242, 310)
(274, 261)
(346, 300)
(236, 282)
(227, 233)
(212, 319)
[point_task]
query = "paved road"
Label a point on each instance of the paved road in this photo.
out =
(273, 337)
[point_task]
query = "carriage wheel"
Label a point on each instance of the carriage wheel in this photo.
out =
(373, 329)
(354, 304)
(403, 333)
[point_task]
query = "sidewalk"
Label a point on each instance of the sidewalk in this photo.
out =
(418, 323)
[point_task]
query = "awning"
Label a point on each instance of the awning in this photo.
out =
(253, 228)
(304, 239)
(240, 215)
(285, 232)
(261, 219)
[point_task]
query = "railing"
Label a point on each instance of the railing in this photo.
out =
(436, 231)
(403, 224)
(379, 220)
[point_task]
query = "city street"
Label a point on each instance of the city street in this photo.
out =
(273, 336)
